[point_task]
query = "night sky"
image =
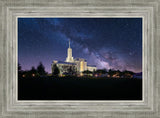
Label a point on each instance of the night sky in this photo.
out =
(111, 43)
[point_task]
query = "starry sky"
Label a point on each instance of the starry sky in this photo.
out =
(111, 43)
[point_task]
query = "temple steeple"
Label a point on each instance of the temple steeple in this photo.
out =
(69, 43)
(69, 54)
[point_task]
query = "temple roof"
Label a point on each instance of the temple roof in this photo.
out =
(91, 65)
(77, 59)
(62, 62)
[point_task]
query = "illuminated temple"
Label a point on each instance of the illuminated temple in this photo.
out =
(78, 64)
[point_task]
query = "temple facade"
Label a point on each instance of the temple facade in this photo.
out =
(77, 65)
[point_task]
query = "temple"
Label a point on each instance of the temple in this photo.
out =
(77, 65)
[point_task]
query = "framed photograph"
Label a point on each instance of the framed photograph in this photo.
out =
(97, 58)
(79, 59)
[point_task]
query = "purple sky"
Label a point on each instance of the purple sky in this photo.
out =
(111, 43)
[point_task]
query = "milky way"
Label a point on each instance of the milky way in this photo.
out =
(111, 43)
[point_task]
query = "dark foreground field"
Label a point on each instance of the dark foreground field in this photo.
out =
(68, 88)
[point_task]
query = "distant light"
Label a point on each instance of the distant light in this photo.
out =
(96, 75)
(33, 75)
(23, 75)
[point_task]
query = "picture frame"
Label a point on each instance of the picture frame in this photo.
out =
(11, 10)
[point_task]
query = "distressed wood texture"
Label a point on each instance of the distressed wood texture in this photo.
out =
(149, 10)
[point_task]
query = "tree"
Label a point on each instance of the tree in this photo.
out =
(87, 72)
(19, 67)
(72, 70)
(19, 70)
(127, 74)
(55, 70)
(111, 72)
(33, 71)
(41, 69)
(101, 71)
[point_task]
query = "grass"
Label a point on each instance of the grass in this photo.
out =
(79, 88)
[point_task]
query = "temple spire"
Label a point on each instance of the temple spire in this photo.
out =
(69, 43)
(69, 54)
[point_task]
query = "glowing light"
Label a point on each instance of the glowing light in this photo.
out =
(62, 75)
(33, 75)
(81, 74)
(81, 68)
(96, 75)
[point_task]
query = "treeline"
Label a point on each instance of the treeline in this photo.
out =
(33, 72)
(40, 72)
(96, 73)
(110, 73)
